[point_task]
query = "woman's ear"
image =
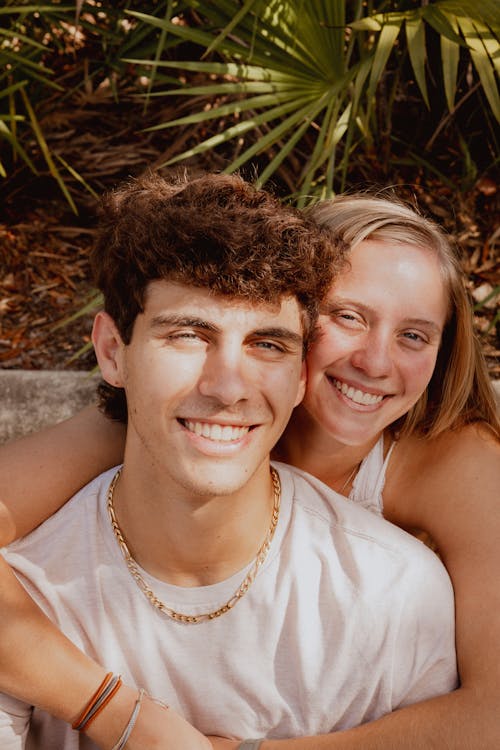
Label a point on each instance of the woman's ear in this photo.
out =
(109, 349)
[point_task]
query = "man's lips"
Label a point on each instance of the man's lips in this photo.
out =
(355, 394)
(219, 432)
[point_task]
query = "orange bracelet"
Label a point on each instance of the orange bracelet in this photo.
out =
(103, 704)
(93, 700)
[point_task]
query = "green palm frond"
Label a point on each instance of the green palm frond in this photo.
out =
(461, 24)
(282, 70)
(312, 69)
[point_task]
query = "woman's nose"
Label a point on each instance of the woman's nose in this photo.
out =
(373, 355)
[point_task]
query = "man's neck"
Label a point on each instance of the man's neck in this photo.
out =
(190, 540)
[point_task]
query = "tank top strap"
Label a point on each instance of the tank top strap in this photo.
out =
(370, 479)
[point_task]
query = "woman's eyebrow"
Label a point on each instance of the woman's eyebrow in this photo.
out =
(424, 323)
(332, 305)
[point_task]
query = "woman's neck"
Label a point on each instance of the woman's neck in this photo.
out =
(306, 445)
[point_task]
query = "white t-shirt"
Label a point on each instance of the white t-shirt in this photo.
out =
(348, 619)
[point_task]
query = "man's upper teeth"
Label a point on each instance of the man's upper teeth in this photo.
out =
(359, 397)
(223, 432)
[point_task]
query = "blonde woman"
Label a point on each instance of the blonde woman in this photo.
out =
(399, 416)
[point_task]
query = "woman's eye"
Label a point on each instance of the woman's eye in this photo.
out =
(347, 318)
(414, 337)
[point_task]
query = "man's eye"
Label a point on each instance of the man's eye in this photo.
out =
(183, 336)
(269, 346)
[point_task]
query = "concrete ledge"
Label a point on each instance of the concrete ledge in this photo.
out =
(33, 399)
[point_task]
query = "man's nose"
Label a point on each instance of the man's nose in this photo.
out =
(224, 376)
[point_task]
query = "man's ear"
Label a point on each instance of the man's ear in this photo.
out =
(109, 349)
(302, 385)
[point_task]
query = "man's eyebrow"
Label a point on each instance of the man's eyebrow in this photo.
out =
(184, 321)
(280, 333)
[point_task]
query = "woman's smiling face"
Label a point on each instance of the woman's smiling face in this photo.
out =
(379, 334)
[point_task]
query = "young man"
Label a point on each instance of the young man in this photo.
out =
(252, 599)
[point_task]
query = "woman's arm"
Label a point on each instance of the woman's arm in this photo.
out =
(38, 664)
(449, 487)
(36, 660)
(40, 472)
(454, 498)
(41, 667)
(454, 721)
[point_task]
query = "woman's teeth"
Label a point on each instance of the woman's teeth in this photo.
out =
(359, 397)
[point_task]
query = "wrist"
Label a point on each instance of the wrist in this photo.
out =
(109, 725)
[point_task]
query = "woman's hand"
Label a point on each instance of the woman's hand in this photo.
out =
(222, 743)
(156, 728)
(160, 728)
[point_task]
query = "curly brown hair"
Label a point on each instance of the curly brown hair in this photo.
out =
(217, 232)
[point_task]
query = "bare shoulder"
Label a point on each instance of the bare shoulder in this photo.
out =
(456, 474)
(450, 488)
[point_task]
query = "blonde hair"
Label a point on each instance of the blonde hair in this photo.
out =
(460, 391)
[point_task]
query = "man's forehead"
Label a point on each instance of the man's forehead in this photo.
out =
(163, 297)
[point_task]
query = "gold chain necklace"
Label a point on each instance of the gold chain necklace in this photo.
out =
(241, 591)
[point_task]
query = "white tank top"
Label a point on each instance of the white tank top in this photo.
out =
(370, 479)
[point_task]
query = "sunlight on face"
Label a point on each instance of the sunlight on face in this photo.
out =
(380, 332)
(210, 384)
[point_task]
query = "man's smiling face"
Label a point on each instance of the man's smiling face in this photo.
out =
(210, 383)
